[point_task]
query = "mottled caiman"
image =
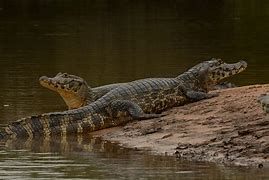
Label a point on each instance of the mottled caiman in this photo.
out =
(74, 90)
(140, 99)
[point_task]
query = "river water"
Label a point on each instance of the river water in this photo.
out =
(117, 41)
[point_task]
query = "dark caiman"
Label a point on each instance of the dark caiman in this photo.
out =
(74, 90)
(140, 99)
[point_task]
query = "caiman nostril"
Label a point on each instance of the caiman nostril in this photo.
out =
(43, 78)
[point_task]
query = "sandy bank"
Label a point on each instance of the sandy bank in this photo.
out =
(231, 128)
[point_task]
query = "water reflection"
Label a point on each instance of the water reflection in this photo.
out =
(89, 157)
(84, 157)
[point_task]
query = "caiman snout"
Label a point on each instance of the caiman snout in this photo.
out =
(244, 64)
(224, 70)
(46, 82)
(235, 68)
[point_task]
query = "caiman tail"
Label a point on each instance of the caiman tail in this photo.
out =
(79, 121)
(42, 125)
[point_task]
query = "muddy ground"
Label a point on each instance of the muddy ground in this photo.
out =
(231, 129)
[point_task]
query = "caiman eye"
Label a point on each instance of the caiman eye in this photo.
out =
(65, 75)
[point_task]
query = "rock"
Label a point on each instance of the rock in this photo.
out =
(264, 101)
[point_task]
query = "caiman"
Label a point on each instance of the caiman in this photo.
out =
(140, 99)
(74, 90)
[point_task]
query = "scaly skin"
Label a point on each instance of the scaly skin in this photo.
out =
(140, 99)
(74, 90)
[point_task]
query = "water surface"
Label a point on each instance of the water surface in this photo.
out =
(85, 157)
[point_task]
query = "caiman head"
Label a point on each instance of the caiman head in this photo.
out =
(73, 89)
(209, 73)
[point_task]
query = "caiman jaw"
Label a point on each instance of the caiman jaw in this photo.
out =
(57, 85)
(226, 70)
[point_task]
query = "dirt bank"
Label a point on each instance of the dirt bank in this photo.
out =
(231, 128)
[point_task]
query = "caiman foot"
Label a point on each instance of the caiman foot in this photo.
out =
(149, 116)
(197, 95)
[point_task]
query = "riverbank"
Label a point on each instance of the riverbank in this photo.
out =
(231, 129)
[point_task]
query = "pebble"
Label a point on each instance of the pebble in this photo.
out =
(167, 135)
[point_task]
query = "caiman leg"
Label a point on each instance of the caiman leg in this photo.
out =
(119, 107)
(198, 95)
